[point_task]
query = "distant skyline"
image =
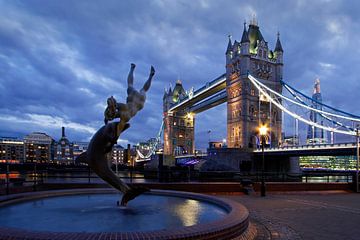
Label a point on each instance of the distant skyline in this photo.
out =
(61, 60)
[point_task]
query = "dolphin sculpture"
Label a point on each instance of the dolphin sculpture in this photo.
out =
(105, 138)
(96, 158)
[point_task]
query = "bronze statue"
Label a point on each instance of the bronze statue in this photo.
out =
(105, 138)
(134, 102)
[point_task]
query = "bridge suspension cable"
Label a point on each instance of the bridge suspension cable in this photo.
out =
(293, 93)
(264, 90)
(302, 105)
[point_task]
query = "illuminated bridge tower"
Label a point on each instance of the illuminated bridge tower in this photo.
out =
(178, 125)
(246, 110)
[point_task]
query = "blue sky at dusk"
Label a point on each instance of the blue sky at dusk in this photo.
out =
(60, 60)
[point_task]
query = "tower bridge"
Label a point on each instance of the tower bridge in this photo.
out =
(252, 88)
(244, 109)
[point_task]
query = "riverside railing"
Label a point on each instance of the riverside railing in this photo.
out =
(12, 181)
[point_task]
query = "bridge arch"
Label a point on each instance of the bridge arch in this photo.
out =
(180, 150)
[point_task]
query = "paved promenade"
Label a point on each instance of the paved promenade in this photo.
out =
(304, 215)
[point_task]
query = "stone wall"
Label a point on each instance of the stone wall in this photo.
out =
(231, 159)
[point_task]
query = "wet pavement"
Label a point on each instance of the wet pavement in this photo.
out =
(304, 215)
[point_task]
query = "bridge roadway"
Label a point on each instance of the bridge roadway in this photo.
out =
(207, 91)
(210, 102)
(341, 149)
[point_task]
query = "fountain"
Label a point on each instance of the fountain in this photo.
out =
(93, 214)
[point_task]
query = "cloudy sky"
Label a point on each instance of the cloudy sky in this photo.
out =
(60, 60)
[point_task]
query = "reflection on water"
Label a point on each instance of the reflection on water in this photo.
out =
(82, 177)
(324, 179)
(188, 212)
(73, 177)
(13, 174)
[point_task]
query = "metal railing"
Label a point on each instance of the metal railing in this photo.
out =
(310, 147)
(31, 180)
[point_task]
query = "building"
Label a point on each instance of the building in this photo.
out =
(79, 148)
(11, 150)
(328, 162)
(316, 135)
(217, 144)
(178, 126)
(246, 108)
(117, 155)
(38, 148)
(64, 150)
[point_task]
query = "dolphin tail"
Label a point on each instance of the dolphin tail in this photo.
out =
(132, 193)
(82, 158)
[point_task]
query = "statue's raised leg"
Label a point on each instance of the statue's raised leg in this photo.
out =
(148, 82)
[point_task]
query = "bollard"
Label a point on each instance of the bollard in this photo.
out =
(7, 178)
(131, 174)
(35, 177)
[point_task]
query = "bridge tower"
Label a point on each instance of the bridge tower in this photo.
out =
(246, 109)
(178, 125)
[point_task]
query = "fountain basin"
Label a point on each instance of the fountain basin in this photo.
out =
(92, 213)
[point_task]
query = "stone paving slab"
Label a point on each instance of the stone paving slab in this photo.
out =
(314, 215)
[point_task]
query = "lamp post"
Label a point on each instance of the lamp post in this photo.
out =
(7, 177)
(263, 132)
(357, 159)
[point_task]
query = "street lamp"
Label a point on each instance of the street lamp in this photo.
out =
(263, 132)
(357, 160)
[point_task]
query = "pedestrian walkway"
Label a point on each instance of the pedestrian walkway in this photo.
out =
(304, 215)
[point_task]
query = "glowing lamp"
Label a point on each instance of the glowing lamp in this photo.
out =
(263, 130)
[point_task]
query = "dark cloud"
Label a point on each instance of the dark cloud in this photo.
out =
(60, 60)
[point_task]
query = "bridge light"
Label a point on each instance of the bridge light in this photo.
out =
(263, 130)
(189, 115)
